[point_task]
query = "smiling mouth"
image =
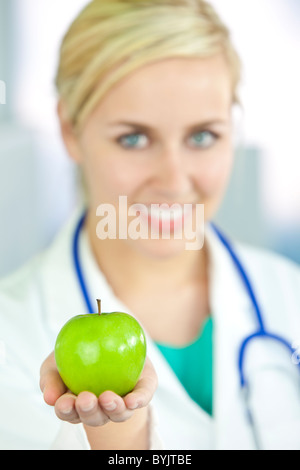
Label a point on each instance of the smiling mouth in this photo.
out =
(165, 213)
(169, 216)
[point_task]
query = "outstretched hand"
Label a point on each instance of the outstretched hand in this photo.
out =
(88, 409)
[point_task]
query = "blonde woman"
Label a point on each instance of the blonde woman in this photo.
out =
(146, 91)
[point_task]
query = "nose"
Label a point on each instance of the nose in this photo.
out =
(172, 176)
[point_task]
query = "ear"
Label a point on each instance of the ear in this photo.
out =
(69, 137)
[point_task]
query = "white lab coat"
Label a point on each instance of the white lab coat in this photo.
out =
(36, 301)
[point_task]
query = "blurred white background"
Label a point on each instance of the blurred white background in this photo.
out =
(38, 182)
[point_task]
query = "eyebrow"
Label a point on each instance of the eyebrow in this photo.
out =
(144, 127)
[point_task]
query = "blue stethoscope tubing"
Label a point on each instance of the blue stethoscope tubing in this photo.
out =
(261, 331)
(77, 264)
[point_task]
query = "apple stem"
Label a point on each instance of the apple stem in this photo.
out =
(99, 306)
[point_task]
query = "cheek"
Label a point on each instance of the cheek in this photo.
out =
(212, 175)
(109, 177)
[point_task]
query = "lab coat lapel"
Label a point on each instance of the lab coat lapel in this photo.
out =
(273, 379)
(233, 320)
(62, 298)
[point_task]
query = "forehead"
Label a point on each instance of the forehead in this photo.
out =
(172, 87)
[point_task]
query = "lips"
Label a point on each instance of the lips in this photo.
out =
(165, 213)
(167, 216)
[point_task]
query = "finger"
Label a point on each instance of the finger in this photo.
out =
(114, 407)
(144, 390)
(51, 383)
(65, 408)
(89, 410)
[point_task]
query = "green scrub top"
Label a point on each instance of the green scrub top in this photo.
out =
(193, 365)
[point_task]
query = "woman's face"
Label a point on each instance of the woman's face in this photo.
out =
(162, 135)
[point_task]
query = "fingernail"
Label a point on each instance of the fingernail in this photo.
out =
(67, 411)
(88, 406)
(134, 406)
(110, 406)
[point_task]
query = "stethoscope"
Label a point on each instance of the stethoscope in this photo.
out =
(261, 330)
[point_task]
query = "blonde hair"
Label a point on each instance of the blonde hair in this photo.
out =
(109, 39)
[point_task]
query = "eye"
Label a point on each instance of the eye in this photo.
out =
(203, 139)
(134, 141)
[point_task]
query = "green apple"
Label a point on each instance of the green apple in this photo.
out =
(99, 352)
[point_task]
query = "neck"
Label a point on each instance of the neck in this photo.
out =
(130, 270)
